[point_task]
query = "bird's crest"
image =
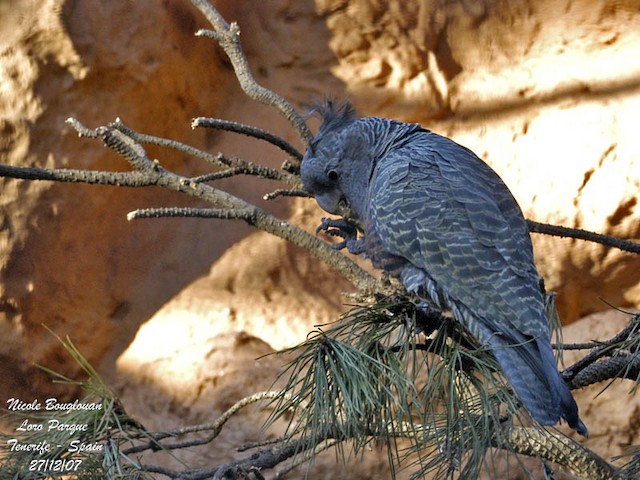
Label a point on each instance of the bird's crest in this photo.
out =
(334, 115)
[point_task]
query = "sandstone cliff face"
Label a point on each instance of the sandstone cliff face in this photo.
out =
(69, 257)
(547, 92)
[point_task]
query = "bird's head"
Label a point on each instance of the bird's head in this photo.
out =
(337, 166)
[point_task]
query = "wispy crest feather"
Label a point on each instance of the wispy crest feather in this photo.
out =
(335, 115)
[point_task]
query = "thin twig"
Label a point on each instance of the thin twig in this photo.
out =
(319, 448)
(609, 241)
(575, 346)
(121, 143)
(213, 427)
(248, 130)
(265, 443)
(130, 150)
(227, 173)
(228, 37)
(242, 167)
(189, 212)
(286, 193)
(68, 175)
(237, 165)
(218, 159)
(81, 129)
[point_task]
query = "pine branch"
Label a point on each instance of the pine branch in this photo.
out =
(561, 450)
(213, 428)
(607, 348)
(618, 367)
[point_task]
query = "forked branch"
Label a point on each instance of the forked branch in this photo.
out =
(226, 206)
(228, 37)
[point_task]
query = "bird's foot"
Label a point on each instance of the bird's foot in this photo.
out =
(345, 230)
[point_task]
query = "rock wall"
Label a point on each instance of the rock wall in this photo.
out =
(69, 258)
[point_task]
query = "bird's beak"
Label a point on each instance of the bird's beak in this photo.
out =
(330, 202)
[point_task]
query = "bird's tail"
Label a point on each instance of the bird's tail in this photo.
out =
(530, 368)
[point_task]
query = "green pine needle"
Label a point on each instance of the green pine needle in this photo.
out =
(374, 375)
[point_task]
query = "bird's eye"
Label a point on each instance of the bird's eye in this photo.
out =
(333, 175)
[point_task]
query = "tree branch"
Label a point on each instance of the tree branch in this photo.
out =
(286, 193)
(248, 130)
(561, 450)
(606, 348)
(235, 164)
(135, 154)
(174, 212)
(620, 366)
(93, 177)
(558, 231)
(214, 428)
(150, 173)
(228, 37)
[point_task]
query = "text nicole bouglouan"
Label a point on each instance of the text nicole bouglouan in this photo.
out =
(48, 432)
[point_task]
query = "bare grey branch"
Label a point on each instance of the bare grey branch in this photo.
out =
(228, 37)
(237, 165)
(249, 131)
(286, 193)
(559, 231)
(174, 212)
(95, 177)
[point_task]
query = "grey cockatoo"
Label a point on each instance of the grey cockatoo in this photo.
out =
(441, 220)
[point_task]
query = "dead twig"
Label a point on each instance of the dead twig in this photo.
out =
(228, 37)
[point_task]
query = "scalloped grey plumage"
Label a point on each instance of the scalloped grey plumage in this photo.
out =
(443, 221)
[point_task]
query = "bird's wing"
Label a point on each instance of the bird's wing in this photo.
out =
(435, 204)
(439, 206)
